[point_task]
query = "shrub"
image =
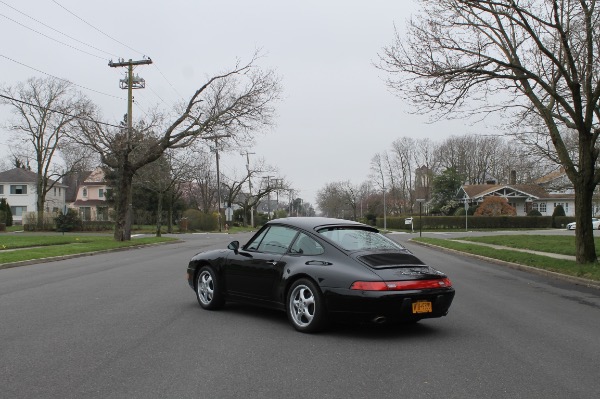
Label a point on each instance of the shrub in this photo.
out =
(495, 206)
(68, 222)
(559, 211)
(6, 216)
(534, 212)
(200, 221)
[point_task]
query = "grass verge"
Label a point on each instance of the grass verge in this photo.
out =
(564, 245)
(567, 267)
(23, 248)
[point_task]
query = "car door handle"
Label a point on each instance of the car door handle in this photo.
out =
(318, 262)
(273, 262)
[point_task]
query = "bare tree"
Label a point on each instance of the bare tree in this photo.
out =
(45, 110)
(331, 201)
(163, 177)
(532, 60)
(235, 187)
(236, 103)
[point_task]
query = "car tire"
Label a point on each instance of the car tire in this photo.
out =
(305, 306)
(208, 289)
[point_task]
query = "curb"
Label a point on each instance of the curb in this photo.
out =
(534, 270)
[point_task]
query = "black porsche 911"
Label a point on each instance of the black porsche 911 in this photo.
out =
(321, 269)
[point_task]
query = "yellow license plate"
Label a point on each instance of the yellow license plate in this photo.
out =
(422, 307)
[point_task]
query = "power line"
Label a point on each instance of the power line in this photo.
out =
(167, 80)
(56, 30)
(56, 77)
(51, 38)
(92, 26)
(123, 44)
(58, 112)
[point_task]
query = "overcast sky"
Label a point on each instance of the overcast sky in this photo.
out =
(336, 112)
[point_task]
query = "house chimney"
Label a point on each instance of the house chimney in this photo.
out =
(513, 177)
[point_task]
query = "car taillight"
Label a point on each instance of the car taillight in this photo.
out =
(400, 285)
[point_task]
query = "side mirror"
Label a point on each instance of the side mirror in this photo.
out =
(234, 246)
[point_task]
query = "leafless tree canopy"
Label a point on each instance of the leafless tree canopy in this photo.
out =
(535, 61)
(45, 111)
(236, 103)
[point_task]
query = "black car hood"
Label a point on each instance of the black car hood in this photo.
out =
(397, 265)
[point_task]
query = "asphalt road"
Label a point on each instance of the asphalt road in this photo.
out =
(126, 325)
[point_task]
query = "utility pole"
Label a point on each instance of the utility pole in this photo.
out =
(216, 138)
(277, 187)
(268, 196)
(249, 187)
(130, 82)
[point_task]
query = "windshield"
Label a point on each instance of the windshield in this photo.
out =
(353, 239)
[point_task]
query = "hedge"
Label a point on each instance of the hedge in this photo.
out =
(476, 222)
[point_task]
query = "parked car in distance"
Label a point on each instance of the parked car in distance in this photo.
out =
(595, 224)
(321, 269)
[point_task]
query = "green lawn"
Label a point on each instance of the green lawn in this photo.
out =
(564, 245)
(554, 244)
(21, 247)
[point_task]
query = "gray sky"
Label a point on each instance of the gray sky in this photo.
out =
(336, 111)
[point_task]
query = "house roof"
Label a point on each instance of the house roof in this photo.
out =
(19, 175)
(480, 190)
(73, 180)
(557, 174)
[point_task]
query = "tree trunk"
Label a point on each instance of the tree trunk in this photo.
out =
(584, 191)
(123, 205)
(584, 234)
(40, 211)
(170, 213)
(159, 208)
(40, 199)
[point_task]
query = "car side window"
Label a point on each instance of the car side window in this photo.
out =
(277, 240)
(305, 245)
(253, 245)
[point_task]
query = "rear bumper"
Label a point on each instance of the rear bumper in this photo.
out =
(345, 304)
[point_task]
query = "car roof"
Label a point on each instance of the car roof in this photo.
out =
(315, 223)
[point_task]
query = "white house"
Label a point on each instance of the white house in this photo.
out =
(18, 186)
(523, 197)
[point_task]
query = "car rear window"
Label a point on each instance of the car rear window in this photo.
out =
(353, 239)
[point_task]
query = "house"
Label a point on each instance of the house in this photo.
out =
(18, 186)
(523, 197)
(87, 194)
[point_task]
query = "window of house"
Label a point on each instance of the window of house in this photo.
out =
(18, 210)
(85, 213)
(55, 191)
(18, 189)
(100, 193)
(84, 192)
(535, 206)
(542, 207)
(1, 189)
(102, 213)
